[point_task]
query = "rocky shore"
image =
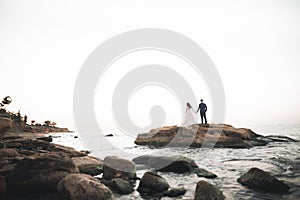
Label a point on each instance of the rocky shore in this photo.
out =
(32, 167)
(206, 135)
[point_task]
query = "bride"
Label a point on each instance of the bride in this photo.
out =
(189, 118)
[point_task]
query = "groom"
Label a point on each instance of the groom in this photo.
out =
(202, 107)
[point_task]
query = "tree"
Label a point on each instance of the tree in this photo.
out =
(25, 119)
(32, 122)
(47, 123)
(6, 100)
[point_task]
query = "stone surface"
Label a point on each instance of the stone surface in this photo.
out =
(260, 180)
(199, 135)
(207, 191)
(175, 192)
(121, 186)
(204, 173)
(40, 172)
(115, 167)
(82, 187)
(152, 183)
(5, 125)
(176, 164)
(88, 165)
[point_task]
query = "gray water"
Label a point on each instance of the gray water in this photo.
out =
(280, 159)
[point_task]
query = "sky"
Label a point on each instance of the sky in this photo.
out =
(254, 44)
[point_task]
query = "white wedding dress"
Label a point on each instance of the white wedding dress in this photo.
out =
(189, 117)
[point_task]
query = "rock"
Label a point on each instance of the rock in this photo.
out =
(212, 135)
(176, 164)
(115, 167)
(48, 139)
(82, 187)
(109, 135)
(68, 151)
(207, 191)
(204, 173)
(40, 172)
(175, 192)
(260, 180)
(3, 188)
(75, 136)
(121, 186)
(5, 125)
(152, 183)
(8, 153)
(88, 165)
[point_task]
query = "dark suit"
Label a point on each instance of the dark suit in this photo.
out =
(203, 109)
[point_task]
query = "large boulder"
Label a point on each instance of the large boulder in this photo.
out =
(5, 125)
(39, 172)
(207, 191)
(152, 183)
(82, 186)
(199, 135)
(114, 167)
(260, 180)
(176, 164)
(88, 165)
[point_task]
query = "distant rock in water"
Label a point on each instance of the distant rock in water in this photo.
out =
(109, 135)
(203, 135)
(260, 180)
(176, 164)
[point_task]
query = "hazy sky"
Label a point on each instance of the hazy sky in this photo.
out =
(254, 44)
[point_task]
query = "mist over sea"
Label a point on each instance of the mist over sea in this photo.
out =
(280, 159)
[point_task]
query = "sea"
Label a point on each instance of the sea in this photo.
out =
(281, 159)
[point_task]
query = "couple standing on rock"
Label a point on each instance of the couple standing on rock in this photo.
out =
(189, 118)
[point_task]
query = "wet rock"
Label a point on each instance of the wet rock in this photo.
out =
(3, 188)
(204, 173)
(175, 192)
(197, 135)
(207, 191)
(121, 186)
(40, 172)
(115, 167)
(82, 187)
(152, 183)
(88, 165)
(176, 164)
(260, 180)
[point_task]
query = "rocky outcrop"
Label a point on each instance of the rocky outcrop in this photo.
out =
(207, 191)
(5, 125)
(115, 167)
(82, 186)
(176, 164)
(201, 135)
(152, 183)
(88, 165)
(260, 180)
(40, 172)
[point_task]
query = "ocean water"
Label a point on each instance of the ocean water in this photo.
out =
(280, 159)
